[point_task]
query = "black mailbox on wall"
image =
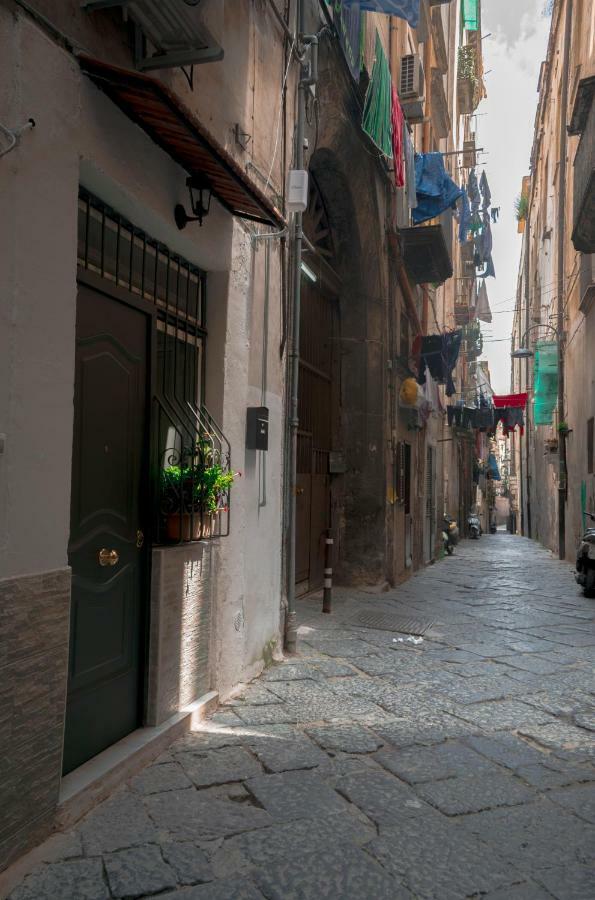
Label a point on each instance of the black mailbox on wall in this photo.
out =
(257, 428)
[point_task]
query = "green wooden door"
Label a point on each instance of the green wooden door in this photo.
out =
(107, 549)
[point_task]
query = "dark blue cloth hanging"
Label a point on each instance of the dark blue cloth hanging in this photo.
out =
(404, 9)
(465, 217)
(493, 467)
(436, 191)
(473, 191)
(485, 190)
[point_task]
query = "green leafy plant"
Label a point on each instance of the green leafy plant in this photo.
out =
(521, 207)
(563, 428)
(196, 488)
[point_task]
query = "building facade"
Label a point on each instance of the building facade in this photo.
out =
(145, 356)
(553, 461)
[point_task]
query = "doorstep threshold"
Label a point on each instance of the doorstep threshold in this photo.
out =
(85, 787)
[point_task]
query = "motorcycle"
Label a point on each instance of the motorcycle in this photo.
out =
(585, 560)
(474, 526)
(450, 535)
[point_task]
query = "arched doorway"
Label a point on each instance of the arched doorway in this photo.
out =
(317, 396)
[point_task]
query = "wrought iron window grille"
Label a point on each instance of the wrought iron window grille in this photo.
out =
(191, 458)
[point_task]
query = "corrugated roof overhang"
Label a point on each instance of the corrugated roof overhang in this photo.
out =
(152, 106)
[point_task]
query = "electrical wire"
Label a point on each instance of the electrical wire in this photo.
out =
(278, 127)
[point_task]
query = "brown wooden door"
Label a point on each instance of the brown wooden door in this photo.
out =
(108, 514)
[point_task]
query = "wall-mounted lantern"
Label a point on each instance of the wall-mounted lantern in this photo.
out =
(199, 188)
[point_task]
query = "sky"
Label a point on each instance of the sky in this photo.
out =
(513, 53)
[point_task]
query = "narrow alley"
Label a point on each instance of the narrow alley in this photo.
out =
(375, 765)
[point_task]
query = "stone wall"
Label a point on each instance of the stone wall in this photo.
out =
(180, 630)
(34, 627)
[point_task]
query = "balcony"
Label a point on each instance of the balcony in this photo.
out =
(167, 33)
(583, 123)
(427, 251)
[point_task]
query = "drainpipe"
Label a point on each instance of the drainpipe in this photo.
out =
(308, 76)
(562, 482)
(527, 371)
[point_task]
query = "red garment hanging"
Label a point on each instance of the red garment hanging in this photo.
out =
(397, 120)
(517, 401)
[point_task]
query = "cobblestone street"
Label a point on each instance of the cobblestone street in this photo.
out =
(372, 767)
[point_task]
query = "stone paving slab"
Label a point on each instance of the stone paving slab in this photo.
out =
(137, 871)
(437, 860)
(328, 875)
(460, 796)
(365, 768)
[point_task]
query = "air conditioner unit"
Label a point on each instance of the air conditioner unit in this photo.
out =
(411, 86)
(174, 30)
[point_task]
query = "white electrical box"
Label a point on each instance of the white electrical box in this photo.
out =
(297, 190)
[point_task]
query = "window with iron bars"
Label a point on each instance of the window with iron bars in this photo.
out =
(191, 468)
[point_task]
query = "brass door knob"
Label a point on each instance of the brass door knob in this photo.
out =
(108, 557)
(140, 539)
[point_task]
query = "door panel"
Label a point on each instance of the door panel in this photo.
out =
(106, 550)
(315, 415)
(319, 518)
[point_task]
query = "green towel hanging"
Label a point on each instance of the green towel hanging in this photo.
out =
(470, 17)
(376, 118)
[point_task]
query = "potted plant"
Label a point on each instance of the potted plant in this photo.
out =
(521, 209)
(191, 496)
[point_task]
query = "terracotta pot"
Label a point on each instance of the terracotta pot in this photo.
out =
(187, 527)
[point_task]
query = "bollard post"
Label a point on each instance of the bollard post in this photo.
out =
(328, 574)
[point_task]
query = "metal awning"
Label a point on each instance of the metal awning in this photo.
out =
(152, 106)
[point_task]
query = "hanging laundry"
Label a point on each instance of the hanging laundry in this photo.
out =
(409, 154)
(397, 120)
(473, 191)
(518, 401)
(493, 467)
(475, 225)
(489, 271)
(485, 190)
(455, 416)
(545, 381)
(483, 418)
(404, 9)
(347, 19)
(436, 191)
(511, 417)
(495, 214)
(482, 307)
(465, 217)
(470, 15)
(468, 416)
(439, 353)
(486, 241)
(376, 117)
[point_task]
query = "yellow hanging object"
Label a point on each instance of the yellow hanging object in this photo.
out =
(408, 393)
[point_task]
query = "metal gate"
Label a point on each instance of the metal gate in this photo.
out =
(314, 434)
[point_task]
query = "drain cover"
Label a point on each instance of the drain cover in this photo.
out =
(388, 622)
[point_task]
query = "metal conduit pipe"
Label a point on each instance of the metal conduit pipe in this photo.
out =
(308, 76)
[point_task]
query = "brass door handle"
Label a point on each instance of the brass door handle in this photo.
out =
(108, 557)
(140, 539)
(299, 491)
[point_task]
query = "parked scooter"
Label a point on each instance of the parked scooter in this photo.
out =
(585, 560)
(474, 526)
(450, 535)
